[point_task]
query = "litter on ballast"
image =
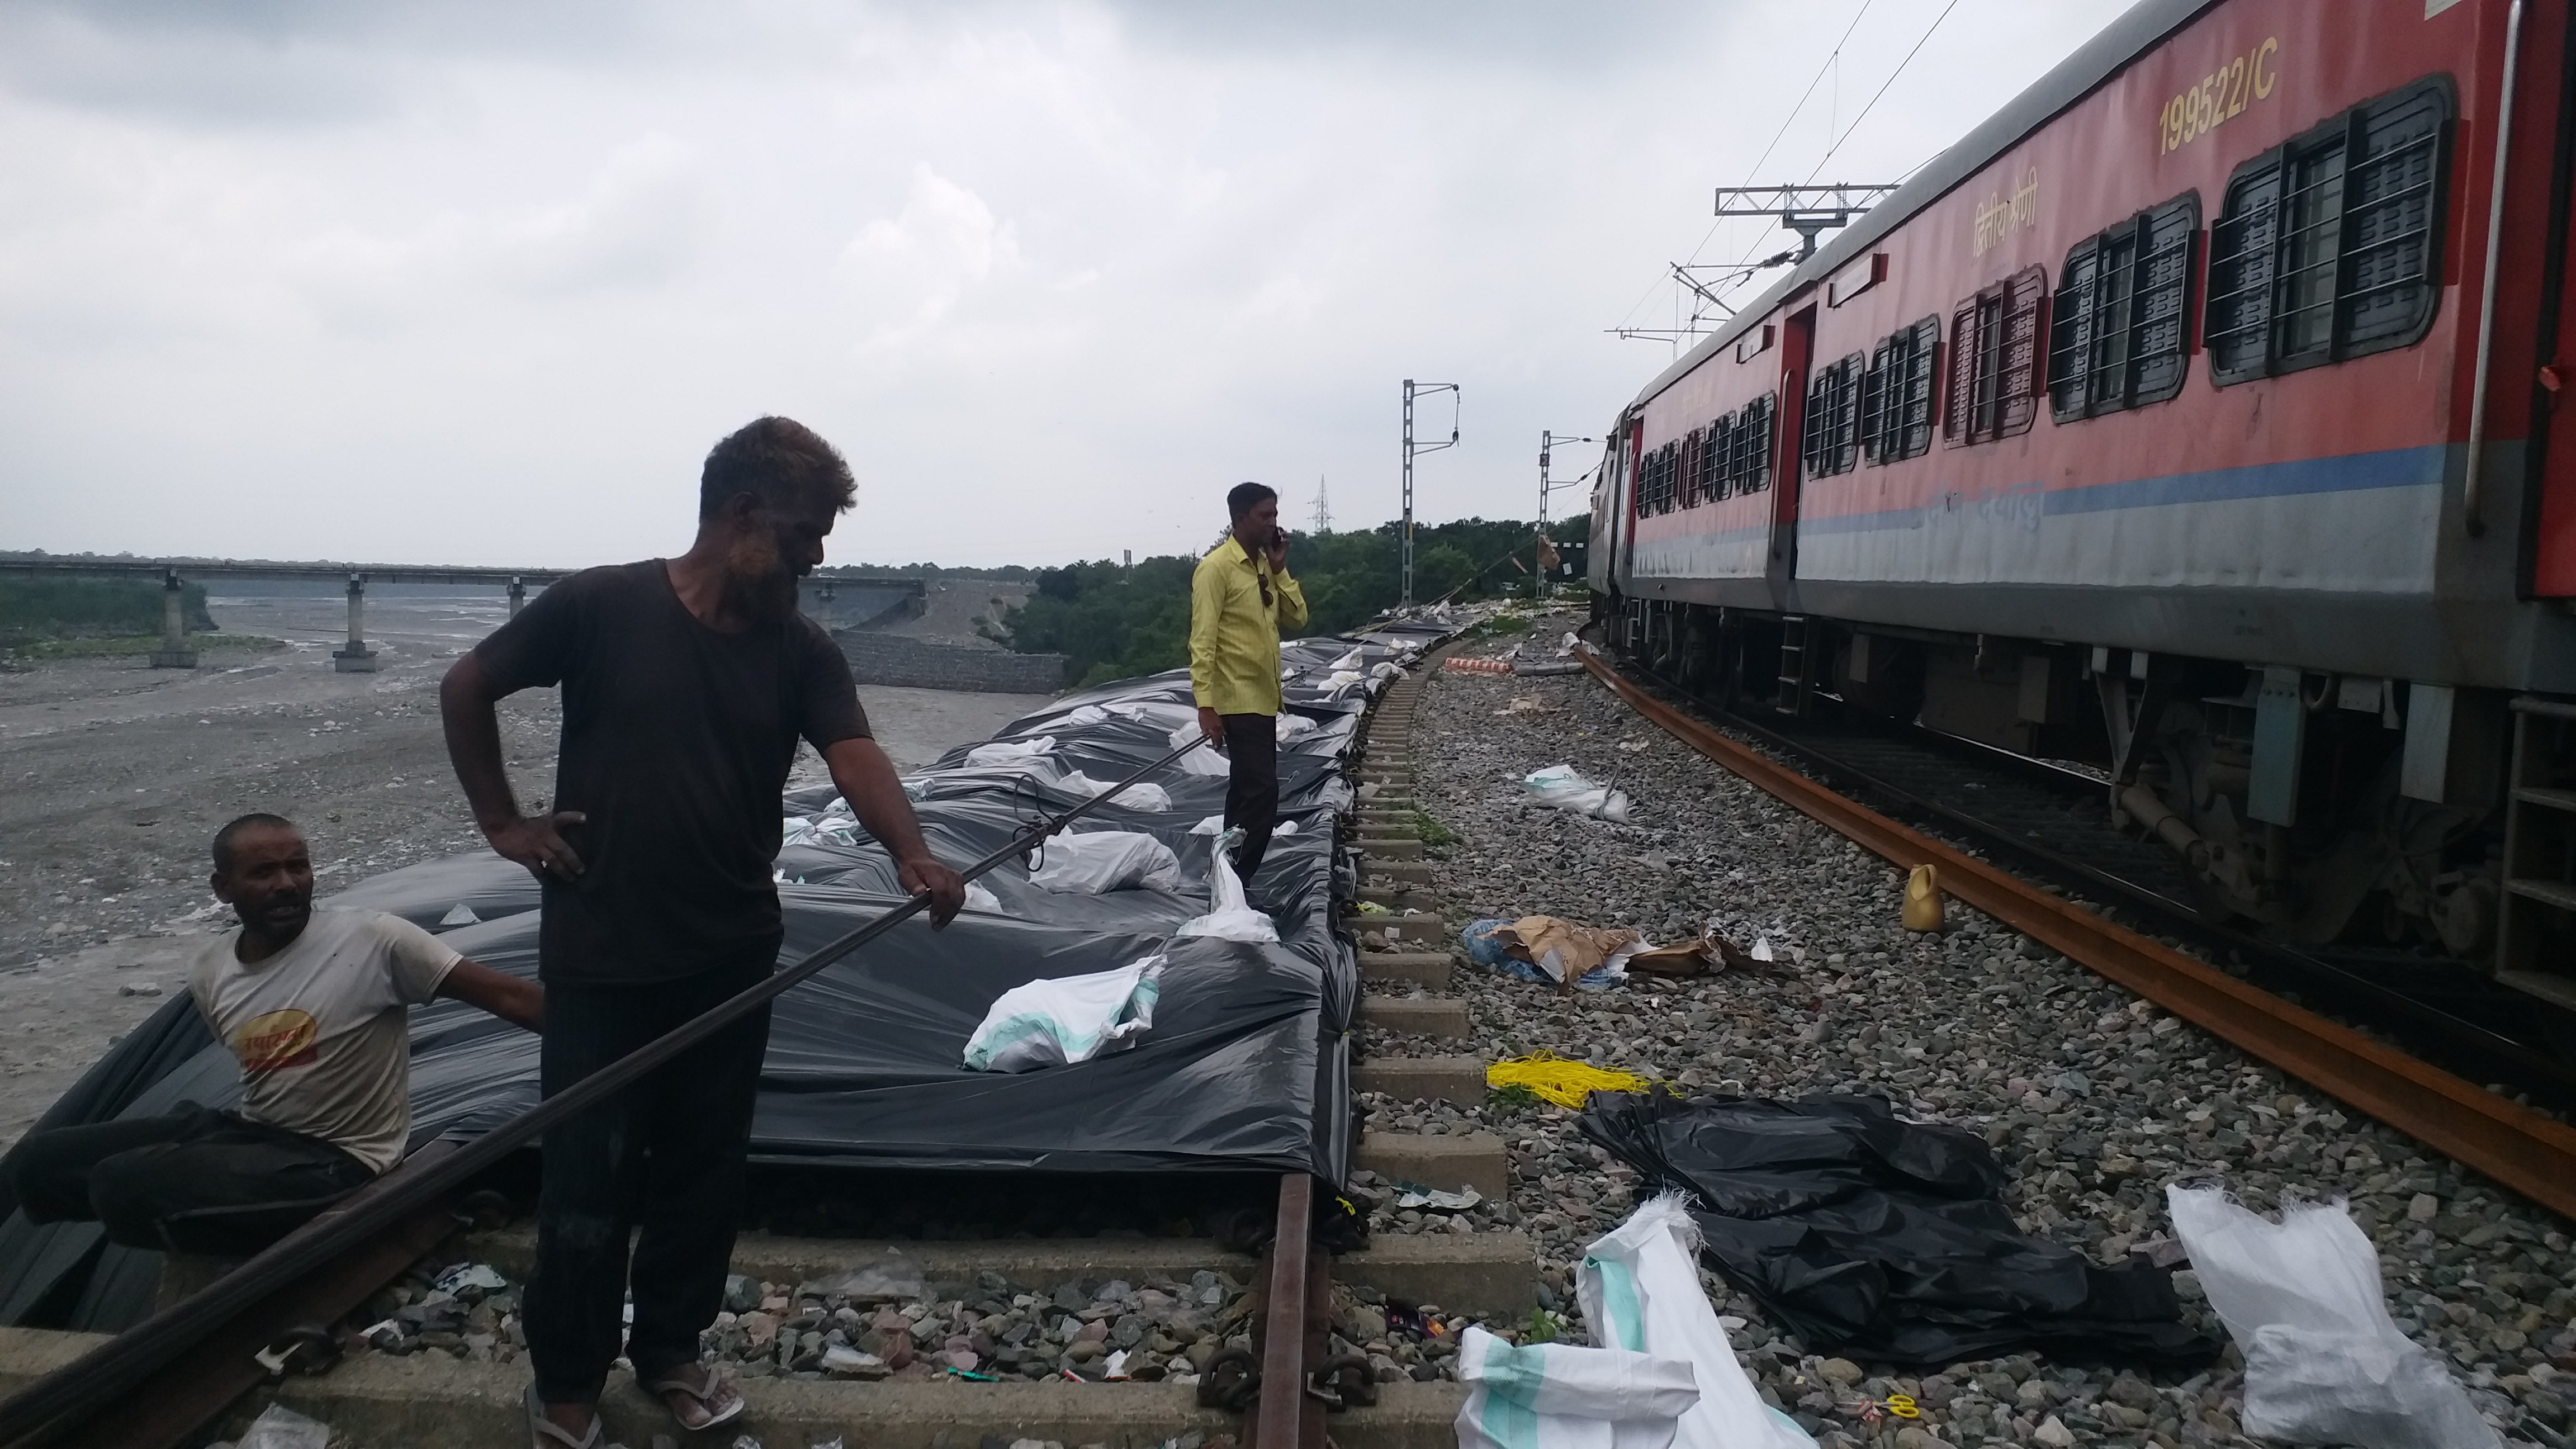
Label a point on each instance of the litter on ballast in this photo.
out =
(1525, 704)
(892, 1278)
(456, 1280)
(1564, 787)
(1553, 951)
(1066, 1019)
(1874, 1238)
(1664, 1375)
(2304, 1300)
(1555, 1079)
(1408, 1196)
(279, 1427)
(1094, 862)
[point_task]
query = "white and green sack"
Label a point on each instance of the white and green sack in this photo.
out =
(1069, 1019)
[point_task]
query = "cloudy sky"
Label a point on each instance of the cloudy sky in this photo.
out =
(480, 282)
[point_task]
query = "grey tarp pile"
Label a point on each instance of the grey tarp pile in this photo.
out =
(1246, 1066)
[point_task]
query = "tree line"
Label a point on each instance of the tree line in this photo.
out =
(1115, 622)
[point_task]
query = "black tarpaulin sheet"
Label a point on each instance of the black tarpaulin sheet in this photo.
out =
(1246, 1068)
(1876, 1238)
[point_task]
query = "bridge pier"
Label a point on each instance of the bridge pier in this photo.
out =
(174, 652)
(518, 595)
(357, 658)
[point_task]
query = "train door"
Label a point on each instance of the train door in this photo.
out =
(1797, 343)
(2549, 542)
(1632, 439)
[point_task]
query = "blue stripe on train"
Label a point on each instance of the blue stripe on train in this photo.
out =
(2354, 472)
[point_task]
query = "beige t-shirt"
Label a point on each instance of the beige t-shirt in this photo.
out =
(321, 1027)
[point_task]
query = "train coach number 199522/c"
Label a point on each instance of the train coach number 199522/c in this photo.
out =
(2221, 96)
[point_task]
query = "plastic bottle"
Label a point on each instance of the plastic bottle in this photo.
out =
(1922, 900)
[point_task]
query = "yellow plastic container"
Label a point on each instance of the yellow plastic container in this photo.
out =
(1922, 900)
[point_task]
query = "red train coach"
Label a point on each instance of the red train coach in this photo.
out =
(2190, 417)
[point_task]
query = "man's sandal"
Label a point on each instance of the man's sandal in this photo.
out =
(707, 1393)
(545, 1433)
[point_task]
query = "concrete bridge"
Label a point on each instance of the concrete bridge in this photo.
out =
(355, 657)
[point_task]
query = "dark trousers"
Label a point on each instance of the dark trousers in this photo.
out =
(1252, 786)
(195, 1180)
(665, 1156)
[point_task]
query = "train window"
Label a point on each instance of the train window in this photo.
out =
(1832, 425)
(2116, 323)
(1896, 394)
(1708, 465)
(2326, 247)
(1995, 361)
(1657, 494)
(1746, 461)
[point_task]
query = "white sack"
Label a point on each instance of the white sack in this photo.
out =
(1566, 789)
(1201, 761)
(1096, 861)
(1215, 825)
(1350, 660)
(1069, 1019)
(1292, 726)
(1230, 917)
(980, 899)
(1019, 752)
(1639, 1287)
(1559, 1396)
(2323, 1363)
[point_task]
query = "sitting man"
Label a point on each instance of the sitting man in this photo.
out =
(313, 1003)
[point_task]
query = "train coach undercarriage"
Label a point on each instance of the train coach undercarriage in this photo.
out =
(2318, 809)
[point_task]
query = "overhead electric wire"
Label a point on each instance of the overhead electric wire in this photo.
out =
(60, 1400)
(1756, 169)
(1882, 89)
(1856, 120)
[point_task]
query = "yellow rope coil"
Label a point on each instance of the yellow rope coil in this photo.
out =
(1555, 1079)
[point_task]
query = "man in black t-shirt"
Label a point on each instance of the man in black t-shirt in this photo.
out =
(687, 683)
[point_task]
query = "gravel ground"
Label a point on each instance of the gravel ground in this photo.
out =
(114, 776)
(2092, 1099)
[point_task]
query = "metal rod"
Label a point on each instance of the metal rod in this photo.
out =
(124, 1363)
(2473, 479)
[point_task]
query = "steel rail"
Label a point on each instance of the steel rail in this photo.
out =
(92, 1383)
(2518, 1147)
(2410, 1016)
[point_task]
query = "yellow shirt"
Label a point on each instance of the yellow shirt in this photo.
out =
(1234, 636)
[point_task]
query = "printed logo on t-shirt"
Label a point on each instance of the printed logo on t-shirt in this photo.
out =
(276, 1040)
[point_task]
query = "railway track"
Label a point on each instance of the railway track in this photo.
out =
(2515, 1145)
(2053, 822)
(286, 1311)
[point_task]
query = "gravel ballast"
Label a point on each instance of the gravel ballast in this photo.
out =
(2093, 1100)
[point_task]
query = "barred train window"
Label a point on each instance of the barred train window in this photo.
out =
(1832, 422)
(1707, 481)
(2116, 324)
(2326, 247)
(1994, 361)
(1896, 394)
(1748, 452)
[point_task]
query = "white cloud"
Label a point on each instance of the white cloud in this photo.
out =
(476, 282)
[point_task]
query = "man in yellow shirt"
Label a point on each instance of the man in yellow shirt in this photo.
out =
(1240, 598)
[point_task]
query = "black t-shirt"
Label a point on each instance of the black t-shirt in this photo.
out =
(676, 743)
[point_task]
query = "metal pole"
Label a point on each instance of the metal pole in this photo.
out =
(1546, 439)
(518, 596)
(1406, 597)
